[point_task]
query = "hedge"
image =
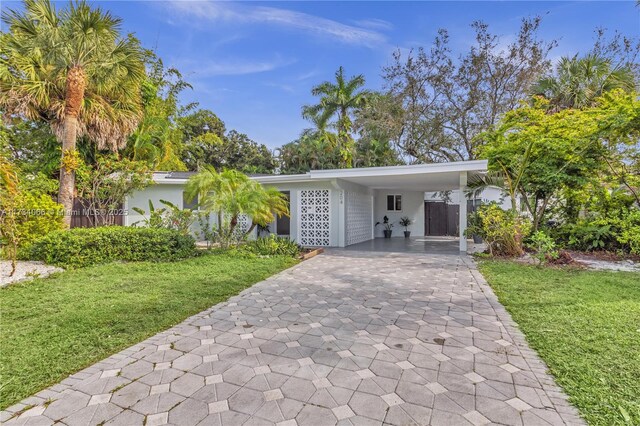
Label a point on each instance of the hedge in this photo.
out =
(81, 247)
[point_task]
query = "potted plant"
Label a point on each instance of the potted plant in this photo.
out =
(405, 222)
(475, 228)
(387, 227)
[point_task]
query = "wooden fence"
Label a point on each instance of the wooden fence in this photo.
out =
(85, 217)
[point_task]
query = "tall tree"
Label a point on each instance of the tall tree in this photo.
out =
(448, 101)
(207, 143)
(339, 99)
(73, 70)
(579, 81)
(158, 139)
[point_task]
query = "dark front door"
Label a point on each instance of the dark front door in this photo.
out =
(283, 223)
(435, 218)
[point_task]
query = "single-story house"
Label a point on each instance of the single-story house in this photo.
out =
(340, 207)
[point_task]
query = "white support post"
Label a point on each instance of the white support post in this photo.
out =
(463, 212)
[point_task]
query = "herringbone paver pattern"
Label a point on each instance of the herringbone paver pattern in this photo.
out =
(346, 338)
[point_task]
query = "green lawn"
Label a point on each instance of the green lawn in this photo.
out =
(586, 326)
(50, 328)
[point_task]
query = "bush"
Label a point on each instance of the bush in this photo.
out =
(544, 247)
(502, 230)
(273, 246)
(37, 215)
(89, 246)
(629, 235)
(615, 231)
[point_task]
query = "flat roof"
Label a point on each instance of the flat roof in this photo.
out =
(421, 177)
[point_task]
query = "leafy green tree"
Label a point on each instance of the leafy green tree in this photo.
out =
(206, 143)
(200, 122)
(314, 150)
(539, 154)
(579, 81)
(158, 140)
(104, 185)
(73, 70)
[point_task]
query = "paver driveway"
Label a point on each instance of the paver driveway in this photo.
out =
(346, 337)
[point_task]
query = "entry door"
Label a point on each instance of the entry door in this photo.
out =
(435, 218)
(283, 223)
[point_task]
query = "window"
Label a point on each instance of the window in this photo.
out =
(191, 205)
(394, 203)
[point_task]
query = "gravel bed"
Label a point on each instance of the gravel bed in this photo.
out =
(25, 271)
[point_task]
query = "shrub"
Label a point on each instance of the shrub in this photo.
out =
(544, 247)
(615, 231)
(169, 217)
(89, 246)
(37, 215)
(502, 230)
(273, 246)
(588, 235)
(629, 235)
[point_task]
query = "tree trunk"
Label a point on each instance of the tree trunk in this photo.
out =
(74, 95)
(67, 177)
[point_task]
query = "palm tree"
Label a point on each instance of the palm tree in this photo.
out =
(578, 82)
(73, 70)
(233, 193)
(337, 98)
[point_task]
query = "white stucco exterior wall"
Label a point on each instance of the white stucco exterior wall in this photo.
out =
(412, 206)
(486, 196)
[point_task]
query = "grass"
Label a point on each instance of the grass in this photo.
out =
(586, 326)
(50, 328)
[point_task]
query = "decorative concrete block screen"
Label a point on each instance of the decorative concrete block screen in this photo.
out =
(243, 223)
(315, 214)
(359, 223)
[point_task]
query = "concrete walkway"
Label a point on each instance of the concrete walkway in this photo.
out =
(353, 338)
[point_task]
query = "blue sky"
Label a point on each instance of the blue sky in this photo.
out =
(254, 63)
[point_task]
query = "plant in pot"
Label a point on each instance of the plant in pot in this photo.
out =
(405, 222)
(475, 228)
(387, 226)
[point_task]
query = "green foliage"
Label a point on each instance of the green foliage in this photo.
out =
(9, 192)
(388, 226)
(579, 81)
(105, 184)
(81, 247)
(234, 150)
(629, 234)
(168, 217)
(449, 97)
(541, 154)
(591, 235)
(405, 222)
(36, 216)
(503, 231)
(273, 246)
(544, 247)
(158, 139)
(230, 194)
(617, 230)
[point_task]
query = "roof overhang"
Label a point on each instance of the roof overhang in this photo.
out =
(417, 177)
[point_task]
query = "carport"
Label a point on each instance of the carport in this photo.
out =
(341, 207)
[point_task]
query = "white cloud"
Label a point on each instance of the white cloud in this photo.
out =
(232, 66)
(216, 12)
(374, 24)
